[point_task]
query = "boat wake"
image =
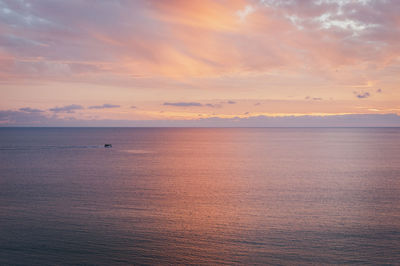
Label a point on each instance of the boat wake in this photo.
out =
(49, 147)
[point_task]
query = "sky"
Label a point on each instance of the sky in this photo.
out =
(199, 62)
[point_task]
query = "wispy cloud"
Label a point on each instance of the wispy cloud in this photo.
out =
(104, 106)
(213, 105)
(183, 104)
(20, 118)
(194, 104)
(245, 12)
(325, 33)
(362, 94)
(200, 53)
(67, 109)
(313, 98)
(30, 110)
(11, 117)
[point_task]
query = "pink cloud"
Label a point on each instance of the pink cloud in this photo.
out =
(92, 41)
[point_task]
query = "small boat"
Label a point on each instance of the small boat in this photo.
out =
(107, 146)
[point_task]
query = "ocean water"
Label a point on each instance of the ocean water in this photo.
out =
(284, 196)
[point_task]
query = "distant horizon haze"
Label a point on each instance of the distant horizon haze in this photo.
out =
(21, 119)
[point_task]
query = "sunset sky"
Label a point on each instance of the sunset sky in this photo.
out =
(194, 60)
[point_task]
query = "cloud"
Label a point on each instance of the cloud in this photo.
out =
(313, 98)
(133, 107)
(197, 48)
(362, 95)
(30, 110)
(231, 102)
(67, 109)
(11, 117)
(351, 120)
(257, 104)
(379, 90)
(245, 12)
(212, 105)
(193, 104)
(104, 106)
(19, 118)
(183, 104)
(128, 41)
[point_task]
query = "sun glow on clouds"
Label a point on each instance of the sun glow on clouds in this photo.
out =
(189, 115)
(59, 53)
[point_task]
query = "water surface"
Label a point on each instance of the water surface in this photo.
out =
(199, 196)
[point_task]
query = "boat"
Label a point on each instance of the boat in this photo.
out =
(107, 146)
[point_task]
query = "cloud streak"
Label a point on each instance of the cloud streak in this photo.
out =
(20, 118)
(104, 106)
(194, 104)
(201, 50)
(328, 33)
(67, 109)
(182, 104)
(313, 98)
(362, 94)
(30, 110)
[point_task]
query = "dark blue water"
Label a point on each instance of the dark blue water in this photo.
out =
(199, 196)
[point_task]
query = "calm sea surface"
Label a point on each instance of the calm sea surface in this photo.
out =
(199, 196)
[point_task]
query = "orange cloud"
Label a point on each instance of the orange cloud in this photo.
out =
(200, 50)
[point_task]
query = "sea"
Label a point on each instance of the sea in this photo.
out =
(200, 196)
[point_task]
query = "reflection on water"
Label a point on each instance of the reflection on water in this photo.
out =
(203, 196)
